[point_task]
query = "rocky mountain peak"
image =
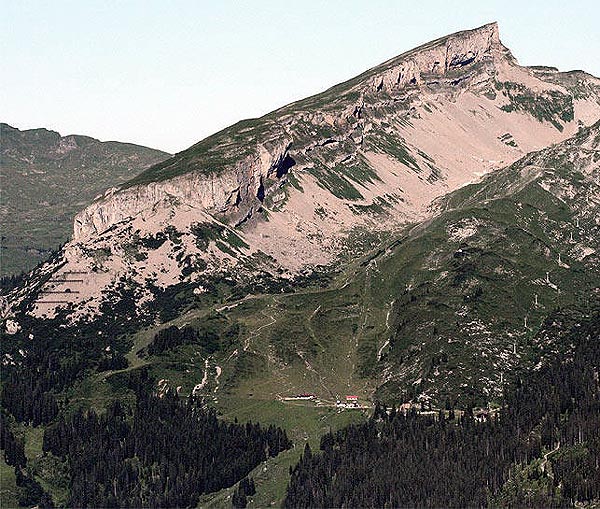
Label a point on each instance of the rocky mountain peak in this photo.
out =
(439, 57)
(232, 171)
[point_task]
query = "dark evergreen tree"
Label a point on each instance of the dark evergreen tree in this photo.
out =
(14, 449)
(398, 460)
(165, 452)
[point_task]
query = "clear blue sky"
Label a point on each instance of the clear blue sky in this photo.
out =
(168, 73)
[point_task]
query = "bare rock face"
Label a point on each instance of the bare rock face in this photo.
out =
(439, 57)
(231, 191)
(226, 193)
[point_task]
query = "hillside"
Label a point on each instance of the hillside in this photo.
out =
(447, 312)
(46, 179)
(540, 449)
(450, 314)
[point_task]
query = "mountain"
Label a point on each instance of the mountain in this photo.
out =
(46, 179)
(294, 189)
(424, 235)
(279, 209)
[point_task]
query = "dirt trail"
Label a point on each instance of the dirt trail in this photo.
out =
(544, 463)
(387, 327)
(257, 331)
(218, 372)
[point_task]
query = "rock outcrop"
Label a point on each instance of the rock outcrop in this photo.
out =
(233, 193)
(440, 57)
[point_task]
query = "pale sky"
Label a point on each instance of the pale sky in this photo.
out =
(168, 73)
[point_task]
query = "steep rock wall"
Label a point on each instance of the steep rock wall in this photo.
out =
(234, 193)
(442, 56)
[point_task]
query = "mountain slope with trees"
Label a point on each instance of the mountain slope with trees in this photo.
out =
(541, 449)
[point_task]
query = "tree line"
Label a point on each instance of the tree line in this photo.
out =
(542, 450)
(164, 452)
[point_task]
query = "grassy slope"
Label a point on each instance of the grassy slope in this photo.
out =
(304, 423)
(8, 487)
(451, 295)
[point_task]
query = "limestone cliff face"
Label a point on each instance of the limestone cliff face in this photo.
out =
(440, 57)
(232, 193)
